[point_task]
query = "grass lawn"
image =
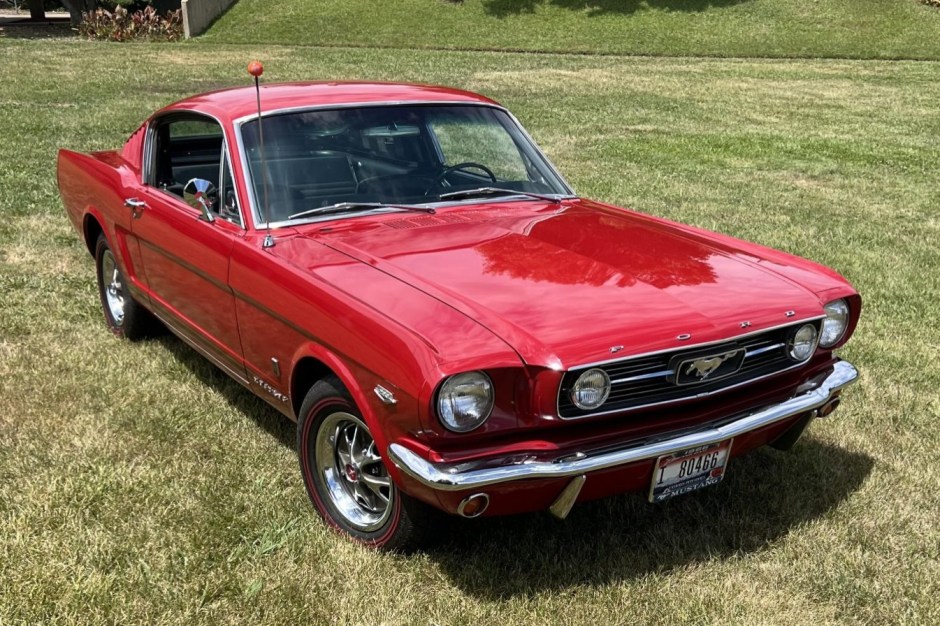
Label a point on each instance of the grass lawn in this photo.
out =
(724, 28)
(139, 485)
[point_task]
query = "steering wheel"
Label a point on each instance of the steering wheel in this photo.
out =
(460, 166)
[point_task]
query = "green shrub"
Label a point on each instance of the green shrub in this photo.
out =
(120, 25)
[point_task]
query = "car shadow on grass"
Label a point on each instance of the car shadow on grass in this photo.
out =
(240, 399)
(765, 496)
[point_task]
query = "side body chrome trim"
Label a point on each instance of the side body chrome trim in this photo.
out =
(457, 477)
(147, 163)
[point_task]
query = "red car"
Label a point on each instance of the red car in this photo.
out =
(399, 269)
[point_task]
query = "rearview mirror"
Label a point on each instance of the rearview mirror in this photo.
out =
(392, 130)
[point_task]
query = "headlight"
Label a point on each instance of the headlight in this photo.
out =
(591, 389)
(465, 401)
(837, 320)
(802, 343)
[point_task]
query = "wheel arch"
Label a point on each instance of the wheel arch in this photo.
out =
(307, 371)
(313, 363)
(91, 230)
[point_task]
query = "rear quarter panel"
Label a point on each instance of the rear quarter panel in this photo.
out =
(93, 188)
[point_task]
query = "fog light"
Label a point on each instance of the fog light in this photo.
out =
(802, 343)
(591, 389)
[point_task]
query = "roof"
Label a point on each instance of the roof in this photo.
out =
(239, 102)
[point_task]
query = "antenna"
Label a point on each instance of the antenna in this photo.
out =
(256, 69)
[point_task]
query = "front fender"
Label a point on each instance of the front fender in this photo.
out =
(387, 422)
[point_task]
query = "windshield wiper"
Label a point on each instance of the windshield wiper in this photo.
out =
(342, 207)
(494, 191)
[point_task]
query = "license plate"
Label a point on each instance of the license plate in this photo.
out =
(688, 470)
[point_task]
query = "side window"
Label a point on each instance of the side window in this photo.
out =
(192, 129)
(189, 162)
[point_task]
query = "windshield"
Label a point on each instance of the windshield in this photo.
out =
(361, 157)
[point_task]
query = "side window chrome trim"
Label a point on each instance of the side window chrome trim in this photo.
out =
(225, 163)
(149, 162)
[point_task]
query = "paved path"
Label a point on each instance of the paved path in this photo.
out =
(16, 25)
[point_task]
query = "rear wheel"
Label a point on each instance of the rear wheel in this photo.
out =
(124, 316)
(346, 477)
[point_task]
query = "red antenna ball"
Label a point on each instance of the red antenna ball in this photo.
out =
(255, 68)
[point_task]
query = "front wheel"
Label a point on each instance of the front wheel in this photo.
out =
(346, 477)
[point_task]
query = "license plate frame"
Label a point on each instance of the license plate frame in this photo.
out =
(676, 474)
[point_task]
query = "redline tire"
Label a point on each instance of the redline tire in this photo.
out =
(346, 478)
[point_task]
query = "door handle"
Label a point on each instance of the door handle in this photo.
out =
(135, 205)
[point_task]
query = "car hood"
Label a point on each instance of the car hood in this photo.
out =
(577, 283)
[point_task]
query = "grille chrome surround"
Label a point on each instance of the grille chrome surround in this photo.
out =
(648, 380)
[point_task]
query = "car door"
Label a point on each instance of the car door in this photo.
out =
(186, 249)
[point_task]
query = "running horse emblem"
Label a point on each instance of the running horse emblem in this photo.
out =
(704, 367)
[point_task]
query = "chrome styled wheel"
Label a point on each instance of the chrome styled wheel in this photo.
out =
(352, 472)
(344, 475)
(113, 287)
(125, 316)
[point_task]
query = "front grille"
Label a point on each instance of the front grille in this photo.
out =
(658, 379)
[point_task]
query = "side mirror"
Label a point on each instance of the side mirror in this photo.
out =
(197, 194)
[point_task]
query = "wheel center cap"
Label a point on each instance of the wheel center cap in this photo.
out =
(351, 473)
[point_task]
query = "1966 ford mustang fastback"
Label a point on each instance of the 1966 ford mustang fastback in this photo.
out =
(399, 269)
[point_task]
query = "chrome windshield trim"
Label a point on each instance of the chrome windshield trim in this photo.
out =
(499, 470)
(540, 152)
(363, 103)
(254, 210)
(382, 210)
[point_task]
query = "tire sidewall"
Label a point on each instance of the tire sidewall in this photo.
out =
(320, 403)
(100, 249)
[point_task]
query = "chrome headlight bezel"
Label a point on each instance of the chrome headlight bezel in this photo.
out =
(596, 373)
(837, 317)
(475, 388)
(802, 349)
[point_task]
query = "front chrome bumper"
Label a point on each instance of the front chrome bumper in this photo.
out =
(457, 477)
